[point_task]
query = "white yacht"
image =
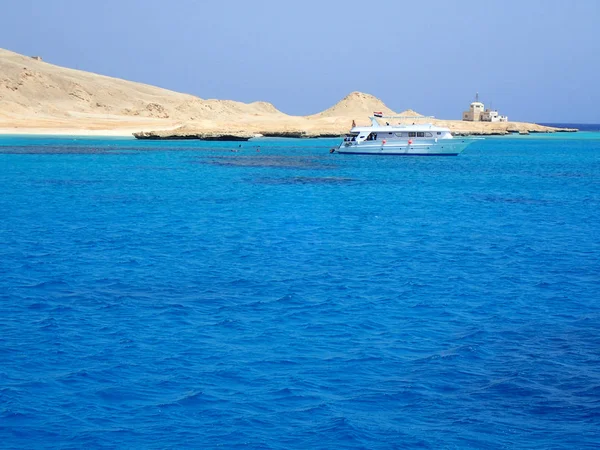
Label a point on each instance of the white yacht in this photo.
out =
(417, 140)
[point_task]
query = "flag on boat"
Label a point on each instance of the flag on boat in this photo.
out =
(378, 114)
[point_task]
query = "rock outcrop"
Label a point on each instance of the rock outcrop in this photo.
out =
(184, 133)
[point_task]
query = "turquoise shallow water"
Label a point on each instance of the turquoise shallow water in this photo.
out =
(182, 294)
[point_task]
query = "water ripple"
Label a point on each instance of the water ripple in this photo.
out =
(168, 295)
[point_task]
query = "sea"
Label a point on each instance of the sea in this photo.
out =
(272, 295)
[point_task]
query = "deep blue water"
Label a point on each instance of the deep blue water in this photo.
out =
(579, 126)
(180, 294)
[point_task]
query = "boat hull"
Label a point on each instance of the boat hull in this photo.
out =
(444, 147)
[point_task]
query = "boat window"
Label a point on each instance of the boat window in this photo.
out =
(412, 134)
(421, 134)
(400, 134)
(428, 135)
(439, 133)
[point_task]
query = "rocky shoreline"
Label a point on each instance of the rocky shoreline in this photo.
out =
(512, 132)
(187, 134)
(191, 135)
(232, 136)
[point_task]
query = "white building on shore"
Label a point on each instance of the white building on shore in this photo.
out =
(478, 113)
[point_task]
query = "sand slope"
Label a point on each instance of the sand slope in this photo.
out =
(356, 104)
(38, 97)
(35, 94)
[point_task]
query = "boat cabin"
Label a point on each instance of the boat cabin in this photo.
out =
(425, 132)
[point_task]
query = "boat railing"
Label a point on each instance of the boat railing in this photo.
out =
(403, 117)
(375, 123)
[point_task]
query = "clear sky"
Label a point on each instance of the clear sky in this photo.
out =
(536, 60)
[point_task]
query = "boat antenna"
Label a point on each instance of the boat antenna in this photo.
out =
(477, 96)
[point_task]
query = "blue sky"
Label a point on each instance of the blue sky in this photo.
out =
(535, 60)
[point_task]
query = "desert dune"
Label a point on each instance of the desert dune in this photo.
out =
(41, 98)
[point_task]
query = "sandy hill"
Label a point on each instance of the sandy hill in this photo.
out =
(357, 104)
(32, 89)
(37, 97)
(410, 113)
